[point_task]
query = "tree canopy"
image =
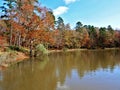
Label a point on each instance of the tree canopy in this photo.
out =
(25, 23)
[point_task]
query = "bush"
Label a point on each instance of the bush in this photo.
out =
(20, 49)
(41, 49)
(16, 48)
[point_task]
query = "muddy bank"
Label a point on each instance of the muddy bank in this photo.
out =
(9, 58)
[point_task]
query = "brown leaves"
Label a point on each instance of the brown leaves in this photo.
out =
(27, 7)
(2, 41)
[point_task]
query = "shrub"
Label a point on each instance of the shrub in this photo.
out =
(14, 48)
(20, 49)
(40, 49)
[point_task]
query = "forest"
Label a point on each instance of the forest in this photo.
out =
(26, 23)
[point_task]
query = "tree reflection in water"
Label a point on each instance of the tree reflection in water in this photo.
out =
(51, 72)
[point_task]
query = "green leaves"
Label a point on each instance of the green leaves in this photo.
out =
(41, 49)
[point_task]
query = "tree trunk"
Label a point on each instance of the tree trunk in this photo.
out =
(31, 52)
(10, 35)
(19, 40)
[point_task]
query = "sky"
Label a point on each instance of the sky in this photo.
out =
(99, 13)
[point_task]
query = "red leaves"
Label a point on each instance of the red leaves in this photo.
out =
(2, 41)
(27, 7)
(117, 34)
(30, 22)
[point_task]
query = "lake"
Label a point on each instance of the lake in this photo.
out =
(78, 70)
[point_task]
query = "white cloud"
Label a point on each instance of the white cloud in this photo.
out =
(60, 10)
(69, 1)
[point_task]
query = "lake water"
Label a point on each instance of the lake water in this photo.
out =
(79, 70)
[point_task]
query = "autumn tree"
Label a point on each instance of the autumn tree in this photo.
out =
(110, 36)
(117, 39)
(29, 23)
(102, 37)
(92, 34)
(8, 9)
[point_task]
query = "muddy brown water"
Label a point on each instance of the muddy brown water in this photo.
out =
(78, 70)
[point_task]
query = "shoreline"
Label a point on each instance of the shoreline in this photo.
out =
(19, 57)
(70, 50)
(11, 59)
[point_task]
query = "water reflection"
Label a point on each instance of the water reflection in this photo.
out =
(61, 87)
(69, 71)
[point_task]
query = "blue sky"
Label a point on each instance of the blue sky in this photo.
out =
(100, 13)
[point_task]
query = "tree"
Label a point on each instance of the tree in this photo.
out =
(31, 24)
(92, 34)
(8, 9)
(110, 36)
(102, 37)
(110, 29)
(60, 24)
(67, 26)
(117, 38)
(79, 27)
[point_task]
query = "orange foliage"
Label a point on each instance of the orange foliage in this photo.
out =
(2, 41)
